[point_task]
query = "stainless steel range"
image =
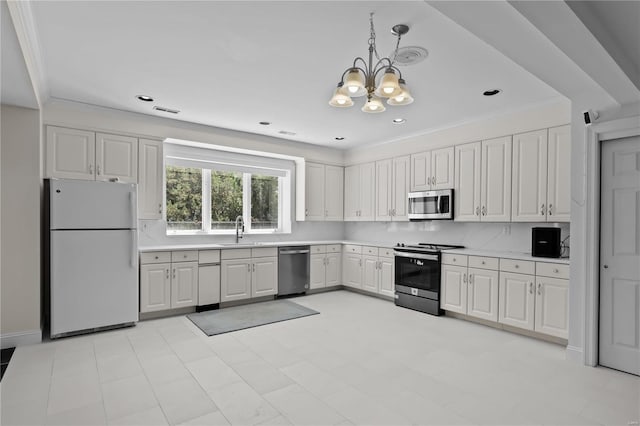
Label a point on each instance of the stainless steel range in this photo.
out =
(417, 276)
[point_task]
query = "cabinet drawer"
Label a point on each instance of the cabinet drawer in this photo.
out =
(209, 256)
(454, 259)
(318, 249)
(484, 262)
(334, 248)
(553, 270)
(184, 256)
(264, 252)
(385, 252)
(235, 254)
(518, 266)
(155, 257)
(372, 251)
(350, 248)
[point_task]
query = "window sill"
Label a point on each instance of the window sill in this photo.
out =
(219, 233)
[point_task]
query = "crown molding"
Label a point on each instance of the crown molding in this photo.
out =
(23, 22)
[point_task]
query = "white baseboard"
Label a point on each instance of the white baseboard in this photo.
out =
(575, 354)
(21, 338)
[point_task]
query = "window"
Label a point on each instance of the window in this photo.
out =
(206, 190)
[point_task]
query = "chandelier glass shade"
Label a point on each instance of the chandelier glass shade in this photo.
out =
(363, 78)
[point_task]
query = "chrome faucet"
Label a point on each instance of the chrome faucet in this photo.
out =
(239, 228)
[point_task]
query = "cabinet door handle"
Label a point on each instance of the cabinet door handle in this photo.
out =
(90, 169)
(393, 211)
(550, 209)
(360, 262)
(478, 211)
(464, 278)
(539, 288)
(530, 288)
(542, 210)
(98, 169)
(433, 180)
(174, 273)
(484, 211)
(254, 267)
(167, 273)
(470, 278)
(248, 267)
(429, 181)
(306, 212)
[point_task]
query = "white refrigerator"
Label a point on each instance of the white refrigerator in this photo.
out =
(93, 255)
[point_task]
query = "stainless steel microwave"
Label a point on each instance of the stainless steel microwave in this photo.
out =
(430, 205)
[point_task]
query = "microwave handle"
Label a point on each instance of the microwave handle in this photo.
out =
(440, 202)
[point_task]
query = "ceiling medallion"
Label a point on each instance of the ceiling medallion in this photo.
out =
(360, 79)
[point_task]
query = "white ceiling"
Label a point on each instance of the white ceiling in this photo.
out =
(233, 64)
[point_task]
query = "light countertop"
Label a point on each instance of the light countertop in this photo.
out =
(507, 255)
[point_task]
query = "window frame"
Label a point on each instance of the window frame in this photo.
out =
(208, 160)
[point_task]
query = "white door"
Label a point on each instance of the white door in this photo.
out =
(351, 193)
(384, 191)
(332, 269)
(529, 183)
(155, 287)
(467, 183)
(516, 300)
(559, 171)
(116, 158)
(387, 277)
(352, 270)
(314, 193)
(235, 280)
(367, 192)
(454, 288)
(70, 153)
(552, 306)
(442, 164)
(317, 271)
(265, 276)
(150, 174)
(333, 192)
(421, 171)
(401, 183)
(620, 255)
(370, 273)
(208, 285)
(496, 180)
(482, 295)
(184, 284)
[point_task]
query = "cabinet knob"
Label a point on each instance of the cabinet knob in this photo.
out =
(606, 266)
(556, 270)
(516, 266)
(483, 262)
(156, 257)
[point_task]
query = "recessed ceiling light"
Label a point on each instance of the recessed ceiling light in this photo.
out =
(339, 138)
(144, 98)
(492, 92)
(265, 123)
(399, 121)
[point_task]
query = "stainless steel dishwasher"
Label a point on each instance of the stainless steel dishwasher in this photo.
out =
(293, 270)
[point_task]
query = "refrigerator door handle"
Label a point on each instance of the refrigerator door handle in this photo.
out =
(132, 203)
(134, 248)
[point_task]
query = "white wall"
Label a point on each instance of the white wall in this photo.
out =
(20, 283)
(515, 237)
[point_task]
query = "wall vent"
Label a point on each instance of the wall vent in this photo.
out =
(163, 109)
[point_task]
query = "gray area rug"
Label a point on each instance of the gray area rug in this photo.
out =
(246, 316)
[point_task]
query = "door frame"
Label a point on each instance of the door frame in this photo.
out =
(594, 137)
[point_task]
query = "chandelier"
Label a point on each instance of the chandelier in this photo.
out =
(360, 79)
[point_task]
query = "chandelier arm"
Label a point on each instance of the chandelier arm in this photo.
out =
(352, 68)
(393, 67)
(364, 63)
(381, 63)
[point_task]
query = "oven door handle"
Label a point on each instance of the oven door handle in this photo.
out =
(417, 255)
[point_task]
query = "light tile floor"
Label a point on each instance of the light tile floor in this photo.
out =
(361, 361)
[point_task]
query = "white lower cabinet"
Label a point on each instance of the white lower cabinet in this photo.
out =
(482, 297)
(325, 266)
(168, 280)
(552, 302)
(517, 300)
(453, 288)
(386, 274)
(369, 268)
(247, 273)
(352, 269)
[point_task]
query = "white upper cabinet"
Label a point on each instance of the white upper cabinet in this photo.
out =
(116, 158)
(79, 154)
(559, 175)
(529, 196)
(432, 170)
(324, 192)
(150, 172)
(359, 193)
(392, 187)
(495, 186)
(70, 153)
(466, 195)
(314, 195)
